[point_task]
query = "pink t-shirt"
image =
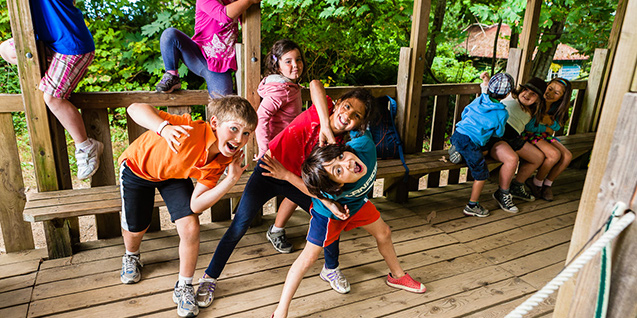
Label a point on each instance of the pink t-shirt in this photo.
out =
(292, 145)
(216, 34)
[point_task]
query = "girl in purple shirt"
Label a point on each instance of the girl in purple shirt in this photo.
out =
(210, 52)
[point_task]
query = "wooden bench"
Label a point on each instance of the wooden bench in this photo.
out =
(52, 205)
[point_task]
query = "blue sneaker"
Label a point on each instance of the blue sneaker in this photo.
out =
(168, 83)
(131, 269)
(184, 297)
(454, 156)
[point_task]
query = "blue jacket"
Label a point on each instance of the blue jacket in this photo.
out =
(60, 25)
(482, 119)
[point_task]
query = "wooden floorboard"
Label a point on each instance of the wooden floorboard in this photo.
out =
(473, 267)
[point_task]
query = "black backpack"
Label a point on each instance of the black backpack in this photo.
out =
(384, 132)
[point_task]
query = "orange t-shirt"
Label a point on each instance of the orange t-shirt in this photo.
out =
(150, 158)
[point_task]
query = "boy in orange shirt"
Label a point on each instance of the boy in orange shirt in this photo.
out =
(175, 149)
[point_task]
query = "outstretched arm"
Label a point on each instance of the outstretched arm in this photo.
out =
(237, 8)
(204, 197)
(319, 99)
(148, 117)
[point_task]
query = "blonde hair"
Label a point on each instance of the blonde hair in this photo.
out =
(232, 107)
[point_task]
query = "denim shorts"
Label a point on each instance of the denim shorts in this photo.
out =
(472, 154)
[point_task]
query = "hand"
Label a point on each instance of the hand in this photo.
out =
(171, 133)
(341, 212)
(275, 168)
(485, 77)
(235, 168)
(326, 136)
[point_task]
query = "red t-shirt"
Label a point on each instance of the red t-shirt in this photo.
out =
(294, 143)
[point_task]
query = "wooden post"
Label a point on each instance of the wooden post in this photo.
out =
(438, 129)
(252, 67)
(593, 91)
(514, 62)
(98, 128)
(620, 80)
(401, 89)
(417, 43)
(528, 38)
(16, 232)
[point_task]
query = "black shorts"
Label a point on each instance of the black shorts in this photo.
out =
(138, 198)
(510, 136)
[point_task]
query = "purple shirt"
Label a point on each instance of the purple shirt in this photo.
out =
(216, 34)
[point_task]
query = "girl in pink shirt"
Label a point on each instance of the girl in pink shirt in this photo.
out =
(210, 52)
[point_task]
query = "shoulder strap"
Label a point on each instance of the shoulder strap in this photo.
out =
(393, 109)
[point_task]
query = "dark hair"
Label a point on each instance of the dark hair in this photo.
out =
(497, 96)
(315, 177)
(366, 97)
(232, 107)
(279, 48)
(564, 102)
(534, 85)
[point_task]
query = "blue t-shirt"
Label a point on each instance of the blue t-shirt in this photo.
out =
(483, 119)
(60, 25)
(354, 195)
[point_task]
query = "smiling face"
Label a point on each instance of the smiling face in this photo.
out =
(231, 136)
(554, 92)
(291, 65)
(346, 168)
(348, 115)
(528, 97)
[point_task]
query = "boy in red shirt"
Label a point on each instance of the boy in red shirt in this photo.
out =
(175, 149)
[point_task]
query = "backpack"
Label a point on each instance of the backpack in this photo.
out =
(384, 132)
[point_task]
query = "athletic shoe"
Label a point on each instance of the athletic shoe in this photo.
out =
(505, 201)
(519, 192)
(184, 297)
(336, 279)
(547, 193)
(131, 269)
(206, 291)
(279, 241)
(407, 283)
(454, 156)
(88, 160)
(477, 210)
(535, 190)
(168, 83)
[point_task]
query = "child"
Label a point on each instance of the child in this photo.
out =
(69, 43)
(210, 53)
(174, 150)
(483, 118)
(281, 103)
(345, 174)
(317, 125)
(539, 132)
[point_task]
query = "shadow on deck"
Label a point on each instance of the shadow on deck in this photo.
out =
(473, 267)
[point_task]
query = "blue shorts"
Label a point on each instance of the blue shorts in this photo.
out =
(138, 199)
(324, 231)
(472, 154)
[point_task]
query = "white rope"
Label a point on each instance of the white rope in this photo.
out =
(577, 264)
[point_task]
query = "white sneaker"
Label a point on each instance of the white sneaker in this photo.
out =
(336, 279)
(88, 160)
(206, 291)
(131, 269)
(184, 297)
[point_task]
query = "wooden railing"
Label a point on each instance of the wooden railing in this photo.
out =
(441, 107)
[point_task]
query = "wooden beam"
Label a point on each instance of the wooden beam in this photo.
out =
(252, 68)
(514, 62)
(34, 106)
(621, 76)
(593, 91)
(11, 103)
(438, 129)
(417, 43)
(401, 89)
(528, 38)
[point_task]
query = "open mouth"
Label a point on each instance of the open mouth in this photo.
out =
(357, 167)
(232, 147)
(343, 121)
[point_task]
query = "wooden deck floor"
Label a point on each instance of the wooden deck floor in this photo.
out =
(473, 267)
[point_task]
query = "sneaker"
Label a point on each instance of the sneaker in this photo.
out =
(535, 190)
(131, 269)
(407, 283)
(454, 156)
(184, 297)
(168, 83)
(519, 192)
(279, 241)
(336, 279)
(88, 160)
(206, 291)
(505, 201)
(547, 193)
(477, 210)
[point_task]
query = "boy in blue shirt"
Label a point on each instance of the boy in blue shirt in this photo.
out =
(482, 119)
(341, 176)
